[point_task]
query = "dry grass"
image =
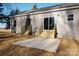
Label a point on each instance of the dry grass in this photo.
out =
(4, 30)
(15, 50)
(68, 47)
(8, 49)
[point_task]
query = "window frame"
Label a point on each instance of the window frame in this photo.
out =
(70, 17)
(49, 23)
(14, 23)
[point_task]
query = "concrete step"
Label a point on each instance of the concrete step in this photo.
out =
(47, 34)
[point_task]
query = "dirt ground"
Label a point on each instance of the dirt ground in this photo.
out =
(67, 47)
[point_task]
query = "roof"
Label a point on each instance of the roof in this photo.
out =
(64, 5)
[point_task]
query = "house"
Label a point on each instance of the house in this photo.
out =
(62, 20)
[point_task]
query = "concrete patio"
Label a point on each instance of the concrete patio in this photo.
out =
(41, 43)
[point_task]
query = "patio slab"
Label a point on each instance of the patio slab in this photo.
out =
(41, 43)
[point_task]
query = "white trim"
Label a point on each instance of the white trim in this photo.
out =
(48, 30)
(53, 10)
(48, 11)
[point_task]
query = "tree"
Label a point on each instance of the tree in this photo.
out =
(5, 16)
(1, 11)
(1, 5)
(12, 13)
(17, 11)
(34, 6)
(8, 19)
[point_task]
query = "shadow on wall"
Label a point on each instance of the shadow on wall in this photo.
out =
(66, 28)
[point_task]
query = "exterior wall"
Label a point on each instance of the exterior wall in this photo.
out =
(64, 27)
(21, 22)
(38, 20)
(12, 24)
(18, 25)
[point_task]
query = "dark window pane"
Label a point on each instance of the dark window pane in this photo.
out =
(46, 23)
(70, 17)
(28, 22)
(14, 23)
(51, 23)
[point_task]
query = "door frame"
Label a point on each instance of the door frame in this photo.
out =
(48, 25)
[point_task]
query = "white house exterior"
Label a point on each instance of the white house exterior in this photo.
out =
(64, 16)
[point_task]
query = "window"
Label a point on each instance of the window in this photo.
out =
(45, 23)
(49, 23)
(28, 22)
(14, 23)
(70, 17)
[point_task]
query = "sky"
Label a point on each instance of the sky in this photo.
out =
(27, 6)
(23, 7)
